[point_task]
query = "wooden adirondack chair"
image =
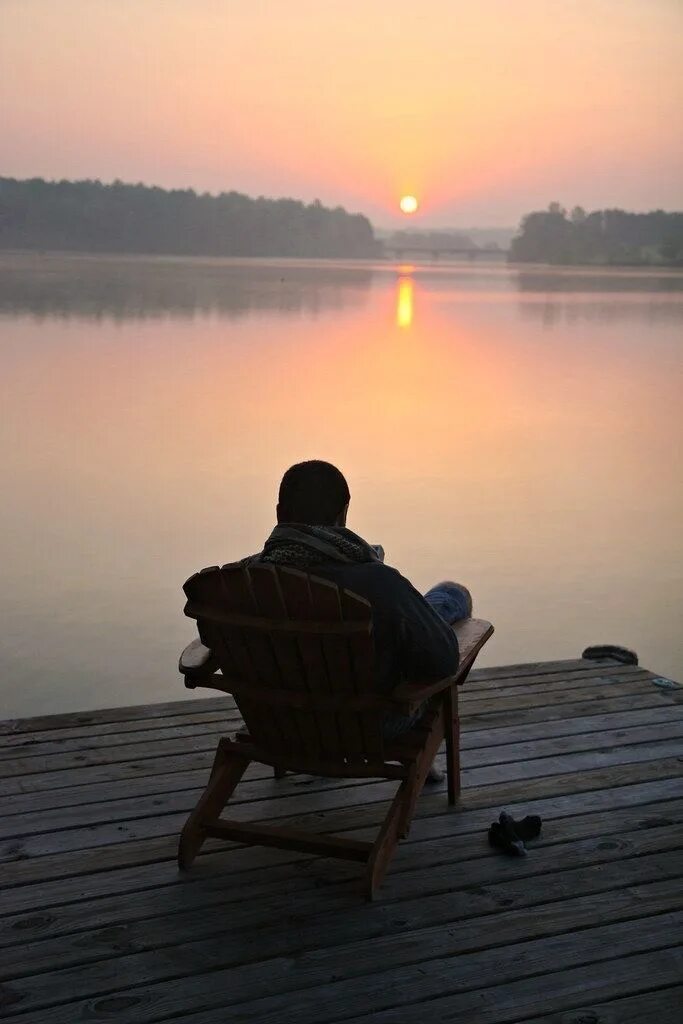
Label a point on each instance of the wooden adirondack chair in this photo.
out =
(297, 652)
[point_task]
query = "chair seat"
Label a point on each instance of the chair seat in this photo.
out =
(404, 748)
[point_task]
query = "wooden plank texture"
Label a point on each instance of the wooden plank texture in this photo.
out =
(96, 924)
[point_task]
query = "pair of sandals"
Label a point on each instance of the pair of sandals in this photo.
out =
(509, 835)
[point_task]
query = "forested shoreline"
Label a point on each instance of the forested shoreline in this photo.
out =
(600, 238)
(89, 216)
(95, 217)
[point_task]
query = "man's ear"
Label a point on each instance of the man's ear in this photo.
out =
(341, 518)
(279, 513)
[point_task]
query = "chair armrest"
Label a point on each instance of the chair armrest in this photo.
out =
(411, 695)
(197, 663)
(472, 634)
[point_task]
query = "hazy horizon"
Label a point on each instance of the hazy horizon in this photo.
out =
(484, 113)
(401, 224)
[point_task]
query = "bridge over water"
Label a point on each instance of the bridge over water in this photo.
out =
(400, 252)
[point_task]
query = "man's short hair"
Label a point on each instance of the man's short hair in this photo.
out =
(312, 492)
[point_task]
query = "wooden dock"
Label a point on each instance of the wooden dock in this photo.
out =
(97, 925)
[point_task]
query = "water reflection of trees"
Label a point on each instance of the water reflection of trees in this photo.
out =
(647, 311)
(146, 288)
(573, 296)
(598, 281)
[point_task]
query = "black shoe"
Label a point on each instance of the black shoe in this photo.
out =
(527, 828)
(503, 837)
(509, 835)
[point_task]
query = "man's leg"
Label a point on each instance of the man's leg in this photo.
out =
(453, 602)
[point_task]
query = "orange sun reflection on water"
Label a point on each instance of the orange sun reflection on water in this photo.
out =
(464, 424)
(404, 302)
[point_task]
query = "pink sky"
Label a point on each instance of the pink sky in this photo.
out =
(483, 110)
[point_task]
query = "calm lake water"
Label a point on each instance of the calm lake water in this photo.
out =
(518, 430)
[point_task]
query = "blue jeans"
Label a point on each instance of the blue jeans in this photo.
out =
(452, 602)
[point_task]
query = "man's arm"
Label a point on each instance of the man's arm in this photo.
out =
(427, 645)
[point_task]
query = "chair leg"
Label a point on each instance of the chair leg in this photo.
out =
(279, 773)
(452, 728)
(418, 776)
(413, 790)
(386, 842)
(228, 768)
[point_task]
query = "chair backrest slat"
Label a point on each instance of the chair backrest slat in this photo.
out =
(325, 597)
(251, 655)
(329, 652)
(296, 589)
(298, 724)
(362, 655)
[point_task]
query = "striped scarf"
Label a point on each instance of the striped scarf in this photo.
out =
(303, 546)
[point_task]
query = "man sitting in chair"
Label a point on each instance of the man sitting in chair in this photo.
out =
(413, 638)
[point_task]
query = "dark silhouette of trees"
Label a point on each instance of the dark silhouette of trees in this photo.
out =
(604, 237)
(90, 216)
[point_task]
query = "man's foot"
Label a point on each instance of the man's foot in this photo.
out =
(435, 775)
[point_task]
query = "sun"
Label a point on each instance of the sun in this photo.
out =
(408, 204)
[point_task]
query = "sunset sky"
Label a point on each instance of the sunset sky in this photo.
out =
(483, 110)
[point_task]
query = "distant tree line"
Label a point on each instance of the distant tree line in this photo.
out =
(604, 237)
(94, 217)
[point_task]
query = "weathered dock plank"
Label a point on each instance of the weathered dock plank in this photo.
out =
(95, 922)
(662, 1005)
(525, 760)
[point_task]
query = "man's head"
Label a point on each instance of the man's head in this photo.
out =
(314, 493)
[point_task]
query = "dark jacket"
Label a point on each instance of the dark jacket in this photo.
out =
(412, 642)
